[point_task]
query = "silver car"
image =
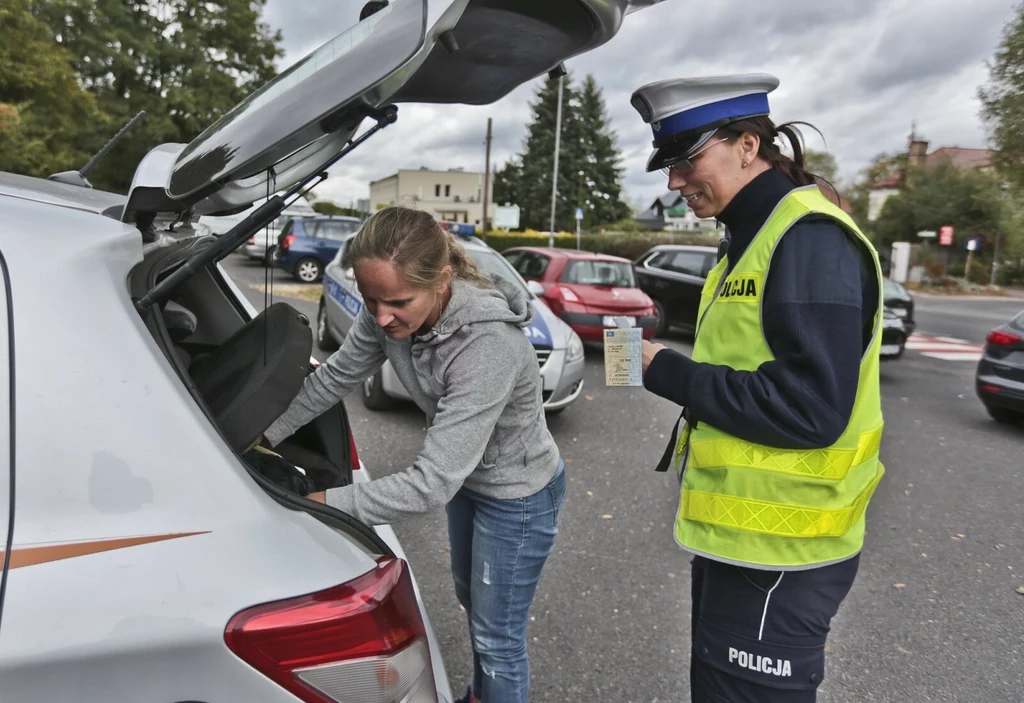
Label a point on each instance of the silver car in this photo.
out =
(559, 349)
(153, 551)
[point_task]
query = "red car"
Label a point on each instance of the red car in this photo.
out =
(585, 289)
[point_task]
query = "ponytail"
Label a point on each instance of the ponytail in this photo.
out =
(791, 167)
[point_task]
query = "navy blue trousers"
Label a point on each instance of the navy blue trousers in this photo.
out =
(759, 636)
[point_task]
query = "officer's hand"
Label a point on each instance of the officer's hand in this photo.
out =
(319, 496)
(649, 351)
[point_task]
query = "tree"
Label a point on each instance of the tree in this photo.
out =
(823, 164)
(329, 207)
(967, 199)
(506, 183)
(882, 167)
(589, 170)
(41, 102)
(1002, 100)
(185, 63)
(537, 160)
(601, 182)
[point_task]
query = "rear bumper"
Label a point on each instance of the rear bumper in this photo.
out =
(998, 391)
(894, 341)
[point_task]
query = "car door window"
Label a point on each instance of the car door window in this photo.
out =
(660, 260)
(533, 265)
(690, 263)
(709, 263)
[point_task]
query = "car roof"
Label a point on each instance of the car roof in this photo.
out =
(682, 247)
(572, 254)
(342, 218)
(61, 194)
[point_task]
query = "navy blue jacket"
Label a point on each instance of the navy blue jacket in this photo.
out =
(818, 307)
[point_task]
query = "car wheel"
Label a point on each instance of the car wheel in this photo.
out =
(1004, 415)
(268, 258)
(308, 270)
(324, 338)
(661, 322)
(374, 397)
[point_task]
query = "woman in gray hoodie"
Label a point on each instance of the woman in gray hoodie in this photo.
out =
(455, 339)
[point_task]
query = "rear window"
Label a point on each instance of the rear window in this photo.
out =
(614, 274)
(893, 290)
(1017, 323)
(338, 230)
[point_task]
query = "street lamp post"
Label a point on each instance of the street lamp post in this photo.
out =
(554, 178)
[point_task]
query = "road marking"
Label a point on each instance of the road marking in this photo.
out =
(944, 348)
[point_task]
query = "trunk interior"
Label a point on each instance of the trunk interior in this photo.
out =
(244, 373)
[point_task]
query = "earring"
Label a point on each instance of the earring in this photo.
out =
(745, 164)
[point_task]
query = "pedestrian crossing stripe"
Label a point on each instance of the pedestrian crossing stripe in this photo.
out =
(944, 348)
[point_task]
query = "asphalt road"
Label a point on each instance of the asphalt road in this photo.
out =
(963, 318)
(933, 616)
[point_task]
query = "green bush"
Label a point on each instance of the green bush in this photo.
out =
(627, 245)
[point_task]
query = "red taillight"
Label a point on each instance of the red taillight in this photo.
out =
(568, 295)
(998, 338)
(287, 241)
(252, 240)
(353, 453)
(365, 635)
(990, 389)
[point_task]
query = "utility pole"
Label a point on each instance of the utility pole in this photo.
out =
(487, 177)
(554, 178)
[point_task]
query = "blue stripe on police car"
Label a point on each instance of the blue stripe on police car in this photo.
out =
(538, 332)
(343, 297)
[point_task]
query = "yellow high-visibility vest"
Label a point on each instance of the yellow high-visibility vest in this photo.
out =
(761, 506)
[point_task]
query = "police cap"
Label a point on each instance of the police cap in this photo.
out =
(684, 113)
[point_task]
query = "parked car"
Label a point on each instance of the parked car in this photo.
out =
(151, 549)
(900, 302)
(999, 379)
(560, 351)
(260, 246)
(586, 290)
(306, 246)
(673, 276)
(894, 336)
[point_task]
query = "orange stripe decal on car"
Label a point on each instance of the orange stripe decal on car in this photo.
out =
(29, 556)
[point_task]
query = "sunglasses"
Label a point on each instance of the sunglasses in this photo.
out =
(684, 167)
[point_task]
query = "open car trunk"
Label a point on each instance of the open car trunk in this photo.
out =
(243, 373)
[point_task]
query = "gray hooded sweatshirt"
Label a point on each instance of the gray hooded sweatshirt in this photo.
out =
(475, 375)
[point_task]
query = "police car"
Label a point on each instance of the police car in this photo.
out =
(559, 349)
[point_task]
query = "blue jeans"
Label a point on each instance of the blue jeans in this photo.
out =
(498, 551)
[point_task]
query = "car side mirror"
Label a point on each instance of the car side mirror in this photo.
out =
(535, 288)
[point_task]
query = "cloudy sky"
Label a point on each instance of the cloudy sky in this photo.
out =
(860, 71)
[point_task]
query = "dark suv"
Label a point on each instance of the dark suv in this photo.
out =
(307, 245)
(672, 275)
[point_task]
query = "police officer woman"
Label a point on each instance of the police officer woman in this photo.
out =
(777, 445)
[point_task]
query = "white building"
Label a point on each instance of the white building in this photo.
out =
(454, 194)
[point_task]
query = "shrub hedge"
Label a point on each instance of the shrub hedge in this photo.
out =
(629, 245)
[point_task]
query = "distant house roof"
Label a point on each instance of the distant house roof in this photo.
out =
(892, 181)
(960, 157)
